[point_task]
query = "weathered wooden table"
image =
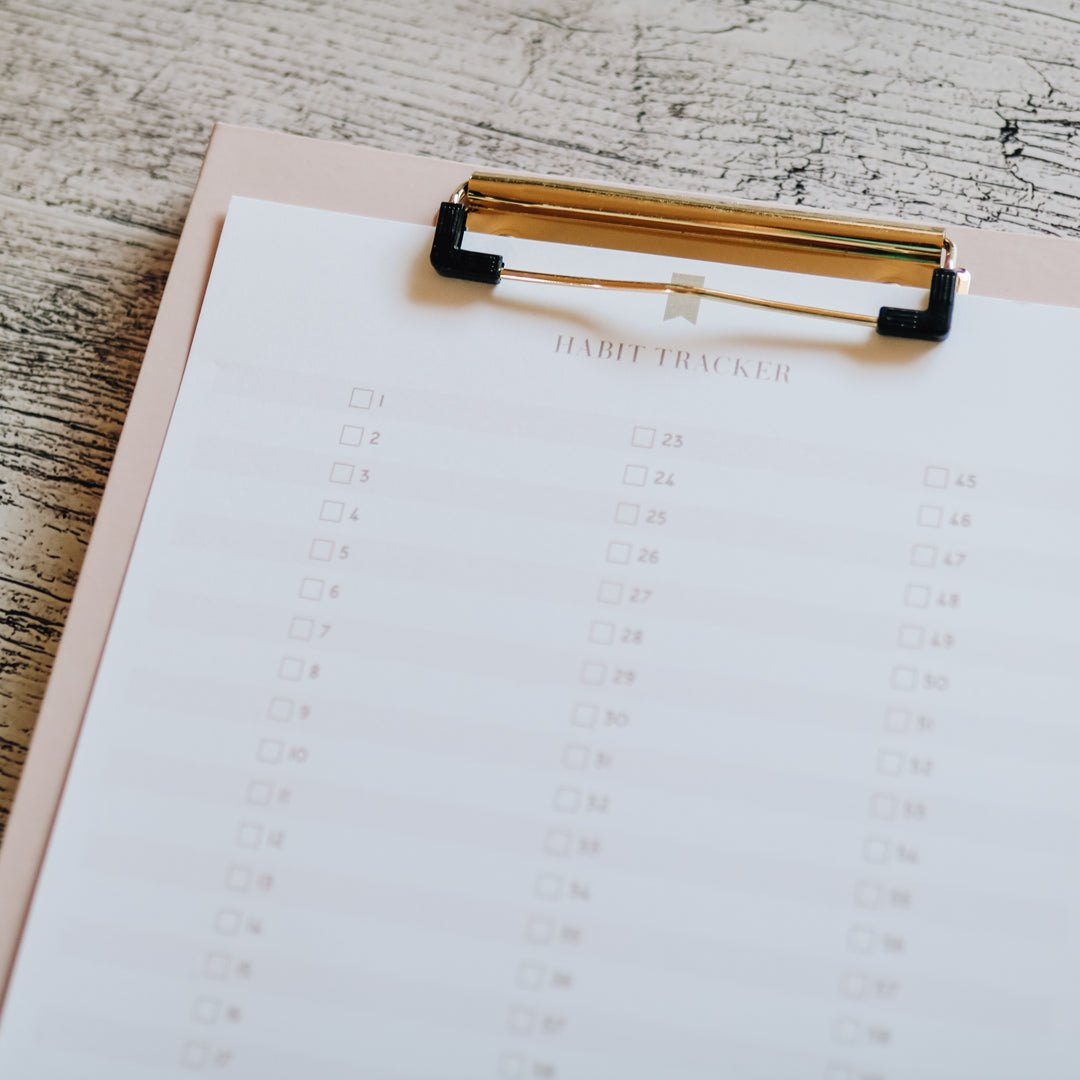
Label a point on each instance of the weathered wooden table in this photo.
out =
(950, 110)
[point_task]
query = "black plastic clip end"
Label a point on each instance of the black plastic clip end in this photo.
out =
(447, 256)
(934, 323)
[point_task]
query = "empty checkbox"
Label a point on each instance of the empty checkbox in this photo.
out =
(260, 793)
(341, 472)
(558, 842)
(643, 437)
(875, 850)
(883, 807)
(331, 510)
(548, 887)
(583, 716)
(936, 477)
(618, 552)
(321, 550)
(635, 475)
(593, 674)
(539, 930)
(228, 921)
(867, 894)
(291, 668)
(301, 629)
(627, 513)
(312, 588)
(270, 751)
(520, 1021)
(890, 763)
(351, 435)
(847, 1031)
(512, 1067)
(206, 1010)
(576, 756)
(602, 633)
(238, 879)
(530, 976)
(861, 939)
(361, 398)
(610, 592)
(216, 965)
(903, 678)
(931, 517)
(853, 984)
(897, 720)
(194, 1055)
(281, 709)
(910, 637)
(567, 800)
(923, 555)
(917, 596)
(249, 835)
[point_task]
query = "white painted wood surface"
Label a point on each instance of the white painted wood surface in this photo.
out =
(965, 111)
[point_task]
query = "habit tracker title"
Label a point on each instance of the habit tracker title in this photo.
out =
(674, 359)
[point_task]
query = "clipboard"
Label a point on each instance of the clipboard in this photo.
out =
(305, 172)
(770, 238)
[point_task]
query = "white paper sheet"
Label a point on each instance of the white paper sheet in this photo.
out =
(517, 684)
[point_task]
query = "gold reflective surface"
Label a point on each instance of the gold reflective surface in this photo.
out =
(683, 290)
(776, 238)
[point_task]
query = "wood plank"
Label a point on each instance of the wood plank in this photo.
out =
(78, 308)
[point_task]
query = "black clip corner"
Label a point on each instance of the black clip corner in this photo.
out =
(447, 256)
(934, 323)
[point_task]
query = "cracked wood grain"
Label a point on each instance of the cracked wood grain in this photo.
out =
(74, 319)
(966, 111)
